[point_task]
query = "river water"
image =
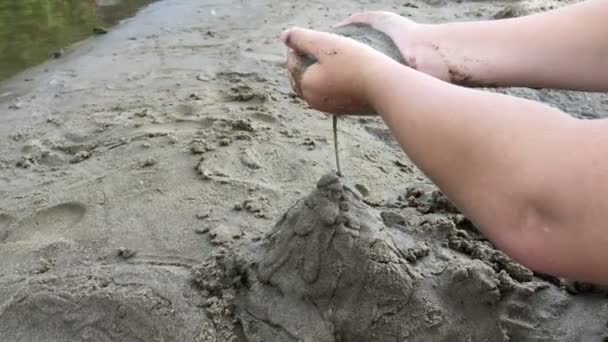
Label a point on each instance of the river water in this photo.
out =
(32, 31)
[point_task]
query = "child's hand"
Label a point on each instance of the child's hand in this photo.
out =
(415, 41)
(337, 82)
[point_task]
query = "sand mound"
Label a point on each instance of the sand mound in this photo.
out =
(336, 269)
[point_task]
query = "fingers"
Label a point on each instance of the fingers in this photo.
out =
(296, 70)
(357, 18)
(304, 47)
(370, 18)
(299, 70)
(306, 42)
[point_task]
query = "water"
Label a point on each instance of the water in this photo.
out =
(31, 31)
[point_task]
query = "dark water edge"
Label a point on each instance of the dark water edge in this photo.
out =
(32, 31)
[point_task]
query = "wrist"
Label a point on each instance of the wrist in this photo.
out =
(381, 77)
(452, 56)
(427, 50)
(373, 72)
(394, 89)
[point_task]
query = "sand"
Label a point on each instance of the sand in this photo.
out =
(335, 269)
(145, 174)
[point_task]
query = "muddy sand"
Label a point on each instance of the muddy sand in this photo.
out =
(163, 183)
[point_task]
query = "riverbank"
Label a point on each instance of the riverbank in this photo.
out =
(32, 31)
(118, 157)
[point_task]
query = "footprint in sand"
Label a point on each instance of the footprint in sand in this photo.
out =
(49, 223)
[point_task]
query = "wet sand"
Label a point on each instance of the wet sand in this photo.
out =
(124, 162)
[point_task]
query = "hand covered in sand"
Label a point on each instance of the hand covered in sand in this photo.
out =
(415, 41)
(331, 72)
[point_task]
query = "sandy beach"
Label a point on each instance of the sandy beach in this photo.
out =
(140, 154)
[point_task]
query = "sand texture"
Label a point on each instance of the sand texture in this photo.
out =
(157, 183)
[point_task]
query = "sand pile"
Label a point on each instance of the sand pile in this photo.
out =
(337, 269)
(333, 268)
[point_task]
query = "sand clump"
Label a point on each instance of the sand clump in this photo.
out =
(374, 38)
(361, 32)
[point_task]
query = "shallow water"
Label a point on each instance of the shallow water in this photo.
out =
(31, 31)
